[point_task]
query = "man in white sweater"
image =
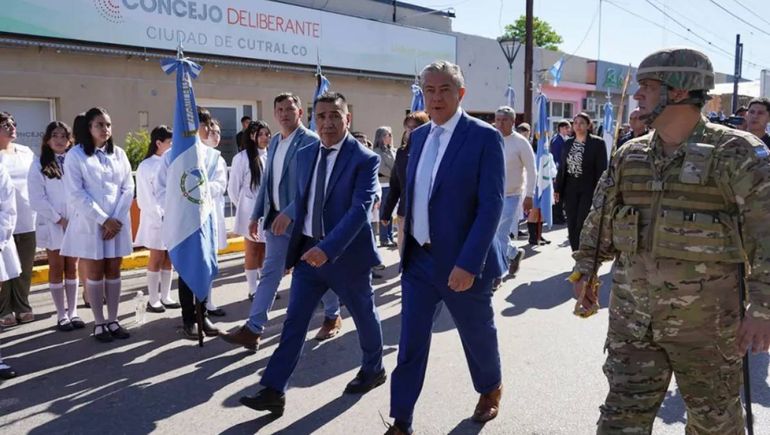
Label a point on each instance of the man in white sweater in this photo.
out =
(520, 176)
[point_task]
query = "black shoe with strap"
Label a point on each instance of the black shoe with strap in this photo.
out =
(117, 331)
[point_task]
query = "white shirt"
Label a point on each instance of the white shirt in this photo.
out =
(307, 228)
(446, 136)
(278, 159)
(17, 164)
(519, 159)
(150, 206)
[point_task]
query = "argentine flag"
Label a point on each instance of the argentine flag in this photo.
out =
(418, 100)
(546, 168)
(188, 229)
(322, 86)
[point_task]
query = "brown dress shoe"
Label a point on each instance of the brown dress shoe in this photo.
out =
(488, 405)
(329, 329)
(243, 337)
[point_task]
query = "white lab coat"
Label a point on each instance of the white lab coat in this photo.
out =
(9, 259)
(48, 200)
(242, 195)
(17, 165)
(97, 189)
(151, 209)
(218, 187)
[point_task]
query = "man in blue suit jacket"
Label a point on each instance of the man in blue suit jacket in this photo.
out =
(276, 205)
(454, 197)
(332, 246)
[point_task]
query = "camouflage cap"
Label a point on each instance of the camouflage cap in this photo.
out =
(678, 68)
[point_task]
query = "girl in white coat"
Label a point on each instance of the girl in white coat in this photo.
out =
(17, 159)
(10, 267)
(47, 198)
(150, 220)
(99, 186)
(245, 178)
(217, 187)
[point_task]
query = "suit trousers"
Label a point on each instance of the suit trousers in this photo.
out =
(14, 296)
(308, 284)
(273, 270)
(473, 315)
(577, 205)
(509, 222)
(187, 301)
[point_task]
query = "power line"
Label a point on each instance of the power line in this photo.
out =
(752, 12)
(720, 50)
(687, 28)
(738, 18)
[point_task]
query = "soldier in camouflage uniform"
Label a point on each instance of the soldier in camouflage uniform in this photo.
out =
(686, 208)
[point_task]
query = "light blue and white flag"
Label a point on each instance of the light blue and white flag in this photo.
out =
(546, 168)
(555, 71)
(510, 96)
(418, 100)
(188, 227)
(608, 127)
(322, 85)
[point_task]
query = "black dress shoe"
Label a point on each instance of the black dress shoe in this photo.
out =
(217, 313)
(189, 331)
(361, 384)
(77, 323)
(8, 373)
(103, 335)
(266, 399)
(209, 329)
(117, 331)
(152, 309)
(172, 305)
(64, 325)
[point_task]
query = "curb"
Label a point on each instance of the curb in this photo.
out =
(137, 260)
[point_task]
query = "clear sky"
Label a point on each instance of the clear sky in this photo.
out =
(626, 38)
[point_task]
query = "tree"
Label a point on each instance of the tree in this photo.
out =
(543, 35)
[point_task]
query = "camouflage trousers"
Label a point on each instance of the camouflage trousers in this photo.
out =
(673, 317)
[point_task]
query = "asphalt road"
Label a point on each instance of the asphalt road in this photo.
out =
(156, 382)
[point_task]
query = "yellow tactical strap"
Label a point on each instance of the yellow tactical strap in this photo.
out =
(704, 190)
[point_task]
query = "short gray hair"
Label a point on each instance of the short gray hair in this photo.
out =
(506, 111)
(444, 67)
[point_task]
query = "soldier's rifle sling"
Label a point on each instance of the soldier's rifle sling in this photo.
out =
(746, 372)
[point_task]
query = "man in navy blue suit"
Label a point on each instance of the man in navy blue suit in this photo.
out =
(454, 198)
(331, 246)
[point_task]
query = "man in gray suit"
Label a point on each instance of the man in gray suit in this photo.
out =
(275, 205)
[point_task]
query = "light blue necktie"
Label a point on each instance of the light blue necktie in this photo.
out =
(422, 188)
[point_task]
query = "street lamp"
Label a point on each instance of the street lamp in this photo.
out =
(510, 47)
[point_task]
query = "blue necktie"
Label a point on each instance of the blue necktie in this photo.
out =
(422, 187)
(320, 192)
(60, 161)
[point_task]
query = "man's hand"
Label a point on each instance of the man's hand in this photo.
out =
(63, 223)
(315, 257)
(385, 222)
(527, 203)
(556, 197)
(582, 286)
(754, 333)
(280, 224)
(460, 280)
(253, 229)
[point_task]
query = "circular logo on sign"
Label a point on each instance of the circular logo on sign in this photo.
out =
(193, 185)
(109, 10)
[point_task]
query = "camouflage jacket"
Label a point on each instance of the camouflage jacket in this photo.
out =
(688, 206)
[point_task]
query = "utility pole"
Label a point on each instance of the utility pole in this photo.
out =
(737, 73)
(394, 10)
(528, 58)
